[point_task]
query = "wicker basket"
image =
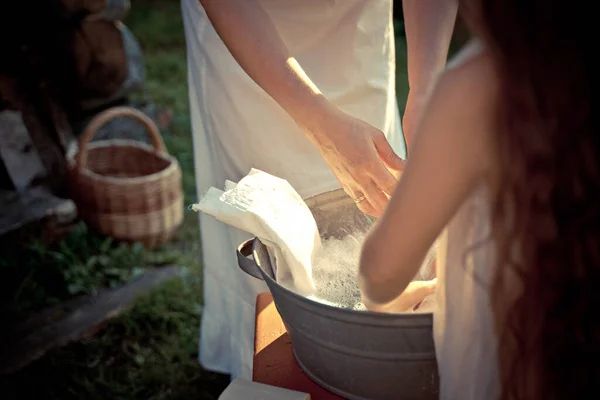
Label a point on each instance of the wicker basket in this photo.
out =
(126, 189)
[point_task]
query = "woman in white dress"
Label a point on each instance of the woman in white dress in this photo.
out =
(304, 90)
(505, 171)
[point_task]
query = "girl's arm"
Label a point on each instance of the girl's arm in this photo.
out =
(451, 156)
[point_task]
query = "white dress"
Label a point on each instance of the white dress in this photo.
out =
(463, 328)
(347, 48)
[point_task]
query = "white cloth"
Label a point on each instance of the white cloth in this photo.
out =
(347, 48)
(270, 209)
(465, 342)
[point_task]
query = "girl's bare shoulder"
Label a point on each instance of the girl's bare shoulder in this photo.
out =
(465, 101)
(471, 77)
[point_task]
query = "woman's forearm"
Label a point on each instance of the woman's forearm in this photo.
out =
(429, 25)
(254, 42)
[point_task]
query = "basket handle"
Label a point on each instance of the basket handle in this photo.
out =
(102, 118)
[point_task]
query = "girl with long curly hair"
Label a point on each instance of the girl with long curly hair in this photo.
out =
(505, 175)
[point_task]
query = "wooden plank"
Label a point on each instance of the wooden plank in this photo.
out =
(45, 317)
(21, 160)
(82, 317)
(33, 205)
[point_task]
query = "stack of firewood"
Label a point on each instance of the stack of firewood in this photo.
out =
(63, 61)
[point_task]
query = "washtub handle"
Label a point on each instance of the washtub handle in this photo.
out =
(247, 264)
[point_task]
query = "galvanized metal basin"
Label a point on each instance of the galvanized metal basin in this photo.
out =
(359, 355)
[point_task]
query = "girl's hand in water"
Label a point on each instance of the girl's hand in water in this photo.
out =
(412, 296)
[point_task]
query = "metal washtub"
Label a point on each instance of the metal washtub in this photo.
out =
(356, 354)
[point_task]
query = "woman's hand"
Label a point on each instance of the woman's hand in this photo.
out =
(414, 294)
(361, 158)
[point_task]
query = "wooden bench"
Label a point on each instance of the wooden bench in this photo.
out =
(274, 362)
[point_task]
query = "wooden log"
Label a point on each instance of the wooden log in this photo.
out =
(95, 9)
(75, 319)
(84, 7)
(101, 61)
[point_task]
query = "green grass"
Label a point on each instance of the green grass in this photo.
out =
(150, 352)
(37, 276)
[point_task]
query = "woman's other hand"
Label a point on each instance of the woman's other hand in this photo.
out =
(360, 157)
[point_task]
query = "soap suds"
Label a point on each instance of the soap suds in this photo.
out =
(335, 271)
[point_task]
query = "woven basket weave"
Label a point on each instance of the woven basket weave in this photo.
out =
(126, 189)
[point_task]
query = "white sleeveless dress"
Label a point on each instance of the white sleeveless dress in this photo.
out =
(463, 328)
(347, 48)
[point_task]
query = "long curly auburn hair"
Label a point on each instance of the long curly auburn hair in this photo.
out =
(546, 211)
